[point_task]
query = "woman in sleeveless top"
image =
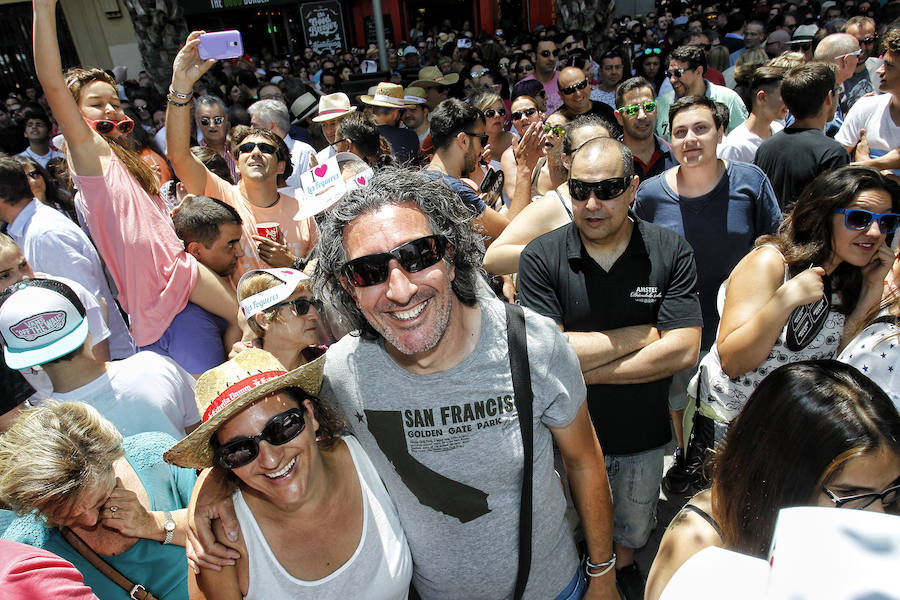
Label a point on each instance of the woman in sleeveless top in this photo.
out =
(119, 197)
(315, 519)
(793, 297)
(813, 433)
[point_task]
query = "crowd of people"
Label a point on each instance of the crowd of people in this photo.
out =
(224, 379)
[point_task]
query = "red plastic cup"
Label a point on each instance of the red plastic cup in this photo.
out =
(269, 230)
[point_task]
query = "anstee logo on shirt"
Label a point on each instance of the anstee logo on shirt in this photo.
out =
(34, 327)
(646, 294)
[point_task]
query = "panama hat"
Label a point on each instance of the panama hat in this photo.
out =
(304, 106)
(432, 76)
(226, 390)
(414, 95)
(333, 106)
(387, 95)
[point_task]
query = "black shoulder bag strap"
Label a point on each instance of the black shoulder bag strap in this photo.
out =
(524, 398)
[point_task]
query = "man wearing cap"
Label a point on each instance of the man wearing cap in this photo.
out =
(545, 72)
(802, 39)
(42, 322)
(411, 59)
(273, 115)
(436, 85)
(331, 109)
(387, 104)
(416, 116)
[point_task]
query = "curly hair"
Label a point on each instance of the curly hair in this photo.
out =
(446, 214)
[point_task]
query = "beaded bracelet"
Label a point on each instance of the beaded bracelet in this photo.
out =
(174, 103)
(179, 95)
(606, 566)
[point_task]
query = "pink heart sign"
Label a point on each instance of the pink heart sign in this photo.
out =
(321, 170)
(361, 180)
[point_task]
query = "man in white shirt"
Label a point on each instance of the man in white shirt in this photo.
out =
(37, 132)
(768, 107)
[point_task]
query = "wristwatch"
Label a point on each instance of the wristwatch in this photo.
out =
(169, 526)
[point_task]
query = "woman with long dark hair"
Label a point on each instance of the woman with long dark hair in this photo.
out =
(814, 433)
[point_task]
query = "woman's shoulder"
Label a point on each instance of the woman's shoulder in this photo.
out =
(763, 261)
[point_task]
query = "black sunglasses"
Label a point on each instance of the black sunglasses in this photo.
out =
(301, 305)
(568, 91)
(859, 219)
(34, 174)
(523, 113)
(888, 497)
(280, 429)
(547, 53)
(413, 256)
(205, 121)
(263, 147)
(491, 113)
(523, 69)
(676, 73)
(481, 136)
(606, 189)
(869, 40)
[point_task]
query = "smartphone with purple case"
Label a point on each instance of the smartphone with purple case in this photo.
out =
(221, 44)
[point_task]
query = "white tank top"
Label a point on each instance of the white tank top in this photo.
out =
(380, 568)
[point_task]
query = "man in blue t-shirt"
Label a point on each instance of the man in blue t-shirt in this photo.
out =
(720, 207)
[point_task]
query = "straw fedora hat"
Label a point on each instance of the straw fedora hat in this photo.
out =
(333, 106)
(387, 95)
(432, 76)
(414, 95)
(226, 390)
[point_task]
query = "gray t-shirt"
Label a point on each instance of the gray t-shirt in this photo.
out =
(449, 449)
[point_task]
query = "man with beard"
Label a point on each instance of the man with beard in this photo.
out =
(457, 130)
(636, 113)
(545, 72)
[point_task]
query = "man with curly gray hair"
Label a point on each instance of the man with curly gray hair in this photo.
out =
(427, 389)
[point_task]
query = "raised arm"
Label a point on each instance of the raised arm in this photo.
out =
(85, 146)
(539, 217)
(758, 304)
(187, 69)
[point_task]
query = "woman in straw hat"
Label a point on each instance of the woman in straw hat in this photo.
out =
(316, 521)
(76, 482)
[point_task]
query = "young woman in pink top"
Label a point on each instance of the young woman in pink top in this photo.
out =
(119, 196)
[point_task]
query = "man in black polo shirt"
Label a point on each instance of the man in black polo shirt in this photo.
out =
(636, 113)
(575, 91)
(625, 291)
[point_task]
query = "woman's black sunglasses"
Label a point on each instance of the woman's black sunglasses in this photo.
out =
(280, 429)
(413, 256)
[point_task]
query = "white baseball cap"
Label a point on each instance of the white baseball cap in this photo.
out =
(40, 321)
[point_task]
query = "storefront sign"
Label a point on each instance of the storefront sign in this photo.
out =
(323, 26)
(195, 7)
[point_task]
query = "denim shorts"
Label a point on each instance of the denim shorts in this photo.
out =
(634, 480)
(576, 588)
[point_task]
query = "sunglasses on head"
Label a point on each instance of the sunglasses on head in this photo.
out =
(649, 51)
(413, 256)
(676, 73)
(301, 305)
(859, 219)
(547, 53)
(280, 429)
(205, 121)
(263, 147)
(568, 91)
(491, 113)
(632, 109)
(517, 115)
(105, 126)
(606, 189)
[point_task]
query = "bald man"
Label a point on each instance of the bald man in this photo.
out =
(841, 50)
(777, 43)
(575, 91)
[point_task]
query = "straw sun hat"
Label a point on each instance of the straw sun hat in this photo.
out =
(226, 390)
(387, 95)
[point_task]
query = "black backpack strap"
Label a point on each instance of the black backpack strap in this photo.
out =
(524, 398)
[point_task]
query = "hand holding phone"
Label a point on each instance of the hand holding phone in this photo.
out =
(220, 45)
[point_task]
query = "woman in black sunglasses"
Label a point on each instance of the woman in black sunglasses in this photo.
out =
(499, 139)
(814, 433)
(119, 196)
(315, 519)
(799, 293)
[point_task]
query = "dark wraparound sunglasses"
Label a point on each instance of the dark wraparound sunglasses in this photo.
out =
(607, 189)
(105, 126)
(413, 256)
(547, 53)
(859, 219)
(263, 147)
(278, 431)
(568, 91)
(301, 305)
(523, 113)
(491, 113)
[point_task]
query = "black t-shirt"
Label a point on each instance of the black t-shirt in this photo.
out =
(404, 142)
(601, 109)
(14, 389)
(793, 157)
(654, 281)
